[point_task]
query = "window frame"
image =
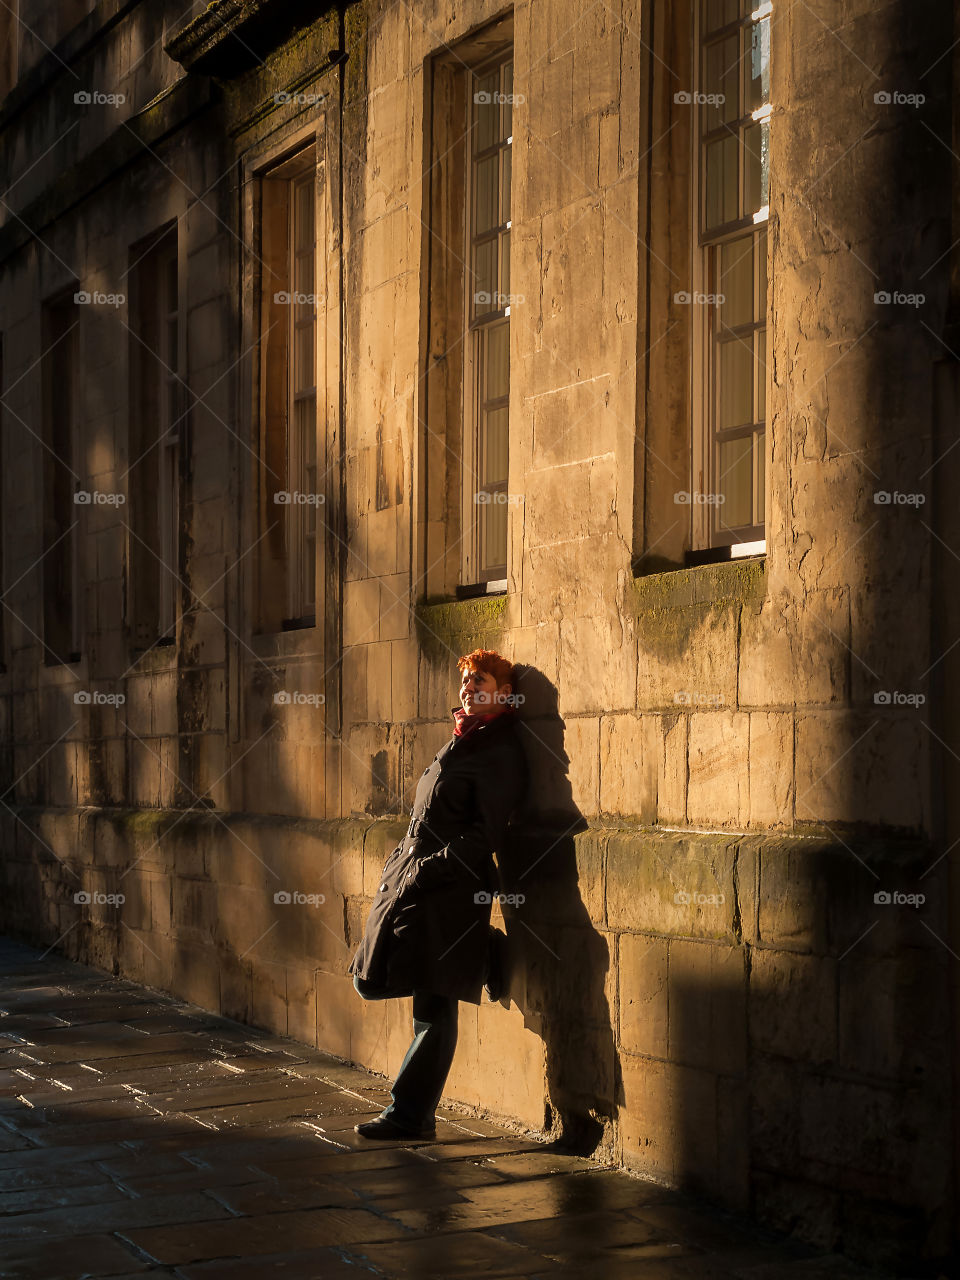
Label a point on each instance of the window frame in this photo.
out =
(51, 375)
(475, 578)
(299, 613)
(706, 537)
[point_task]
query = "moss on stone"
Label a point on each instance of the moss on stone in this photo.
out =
(463, 624)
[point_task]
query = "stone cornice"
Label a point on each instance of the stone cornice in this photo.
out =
(231, 36)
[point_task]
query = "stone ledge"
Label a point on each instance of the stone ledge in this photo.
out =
(231, 36)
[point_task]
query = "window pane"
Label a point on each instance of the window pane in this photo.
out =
(756, 142)
(735, 482)
(735, 383)
(303, 214)
(757, 67)
(720, 204)
(493, 535)
(505, 197)
(303, 357)
(507, 117)
(496, 356)
(485, 175)
(735, 281)
(505, 263)
(487, 108)
(484, 277)
(761, 340)
(721, 66)
(760, 459)
(493, 448)
(717, 13)
(762, 271)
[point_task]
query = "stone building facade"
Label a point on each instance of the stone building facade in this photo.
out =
(622, 338)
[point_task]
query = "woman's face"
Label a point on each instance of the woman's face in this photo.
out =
(480, 695)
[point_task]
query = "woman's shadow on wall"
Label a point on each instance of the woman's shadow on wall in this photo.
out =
(557, 962)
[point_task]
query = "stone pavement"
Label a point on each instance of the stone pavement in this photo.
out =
(141, 1136)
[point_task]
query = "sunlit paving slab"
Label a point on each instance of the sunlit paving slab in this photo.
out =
(176, 1143)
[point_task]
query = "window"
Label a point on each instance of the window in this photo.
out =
(487, 381)
(156, 413)
(289, 495)
(730, 247)
(3, 512)
(9, 45)
(61, 594)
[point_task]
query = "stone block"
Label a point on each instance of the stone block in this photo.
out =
(719, 772)
(707, 995)
(793, 1006)
(643, 995)
(771, 769)
(681, 885)
(629, 760)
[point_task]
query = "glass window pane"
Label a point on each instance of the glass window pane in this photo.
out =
(493, 447)
(735, 281)
(721, 76)
(505, 263)
(760, 338)
(505, 195)
(496, 357)
(485, 183)
(720, 196)
(717, 13)
(303, 356)
(303, 214)
(493, 535)
(507, 117)
(756, 67)
(762, 271)
(734, 383)
(735, 482)
(756, 142)
(484, 277)
(486, 89)
(170, 302)
(761, 486)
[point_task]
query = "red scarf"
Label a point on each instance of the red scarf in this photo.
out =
(464, 724)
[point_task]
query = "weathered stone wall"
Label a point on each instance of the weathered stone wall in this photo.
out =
(779, 1041)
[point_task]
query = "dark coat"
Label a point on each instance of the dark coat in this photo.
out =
(427, 928)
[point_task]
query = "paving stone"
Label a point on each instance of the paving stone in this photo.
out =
(35, 1199)
(467, 1254)
(63, 1135)
(253, 1199)
(255, 1148)
(81, 1220)
(525, 1201)
(313, 1264)
(246, 1237)
(47, 1259)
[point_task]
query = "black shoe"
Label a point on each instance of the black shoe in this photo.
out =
(494, 982)
(383, 1127)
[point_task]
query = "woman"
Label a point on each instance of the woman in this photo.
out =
(428, 933)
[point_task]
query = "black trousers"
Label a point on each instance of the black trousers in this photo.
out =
(423, 1073)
